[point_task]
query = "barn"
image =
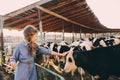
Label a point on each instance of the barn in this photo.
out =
(70, 16)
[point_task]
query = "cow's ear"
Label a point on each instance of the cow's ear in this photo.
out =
(79, 48)
(84, 48)
(75, 54)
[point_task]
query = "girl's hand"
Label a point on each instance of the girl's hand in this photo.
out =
(64, 54)
(13, 64)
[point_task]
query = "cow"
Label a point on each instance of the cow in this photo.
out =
(103, 61)
(57, 62)
(104, 41)
(62, 47)
(99, 42)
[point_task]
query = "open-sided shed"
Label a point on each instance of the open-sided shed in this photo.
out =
(56, 15)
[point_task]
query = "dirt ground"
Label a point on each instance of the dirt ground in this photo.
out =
(4, 75)
(77, 76)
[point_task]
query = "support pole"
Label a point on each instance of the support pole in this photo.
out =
(44, 37)
(92, 34)
(97, 35)
(63, 36)
(40, 26)
(103, 34)
(85, 35)
(2, 58)
(73, 33)
(55, 38)
(80, 33)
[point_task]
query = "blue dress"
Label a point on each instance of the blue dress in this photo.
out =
(21, 55)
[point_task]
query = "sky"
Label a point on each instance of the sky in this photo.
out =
(107, 11)
(7, 6)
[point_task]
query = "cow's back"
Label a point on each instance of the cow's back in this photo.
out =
(102, 60)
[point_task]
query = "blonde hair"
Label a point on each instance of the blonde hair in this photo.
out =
(28, 32)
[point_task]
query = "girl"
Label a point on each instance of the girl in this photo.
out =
(24, 54)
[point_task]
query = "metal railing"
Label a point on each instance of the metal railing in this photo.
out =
(8, 68)
(43, 73)
(48, 74)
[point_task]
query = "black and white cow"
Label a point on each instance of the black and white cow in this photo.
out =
(99, 42)
(102, 61)
(63, 47)
(105, 41)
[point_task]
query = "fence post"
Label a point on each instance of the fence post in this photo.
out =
(1, 39)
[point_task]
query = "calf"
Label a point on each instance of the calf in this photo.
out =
(102, 61)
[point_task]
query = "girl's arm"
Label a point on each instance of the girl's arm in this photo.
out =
(13, 60)
(58, 54)
(46, 51)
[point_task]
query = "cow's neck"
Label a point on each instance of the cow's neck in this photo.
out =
(85, 62)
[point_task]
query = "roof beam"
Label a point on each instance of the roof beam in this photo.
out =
(69, 9)
(35, 14)
(53, 18)
(46, 22)
(64, 18)
(12, 14)
(61, 4)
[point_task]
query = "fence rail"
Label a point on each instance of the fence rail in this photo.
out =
(46, 71)
(43, 73)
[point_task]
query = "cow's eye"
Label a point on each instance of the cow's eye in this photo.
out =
(69, 59)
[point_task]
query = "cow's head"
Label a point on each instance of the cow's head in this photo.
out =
(70, 63)
(74, 59)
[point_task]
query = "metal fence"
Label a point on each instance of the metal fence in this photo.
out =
(43, 73)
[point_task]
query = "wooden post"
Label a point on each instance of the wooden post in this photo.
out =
(97, 35)
(1, 40)
(40, 26)
(85, 35)
(44, 37)
(73, 33)
(63, 31)
(80, 33)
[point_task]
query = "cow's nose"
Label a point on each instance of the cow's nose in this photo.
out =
(64, 70)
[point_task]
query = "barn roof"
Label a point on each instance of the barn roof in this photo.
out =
(72, 15)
